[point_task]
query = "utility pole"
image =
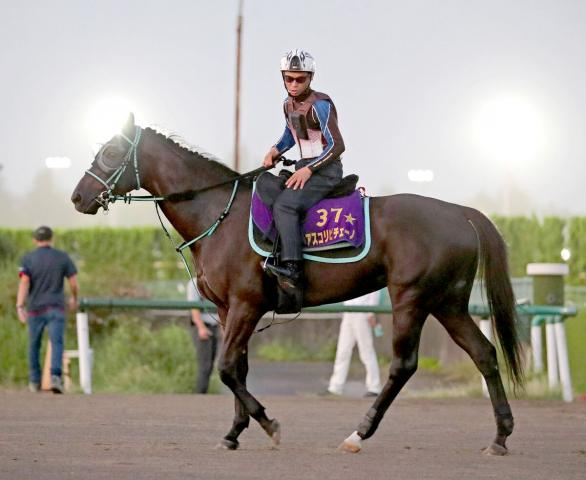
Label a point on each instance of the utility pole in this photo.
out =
(237, 113)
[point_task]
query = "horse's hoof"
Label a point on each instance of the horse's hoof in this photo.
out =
(353, 444)
(496, 450)
(275, 433)
(226, 444)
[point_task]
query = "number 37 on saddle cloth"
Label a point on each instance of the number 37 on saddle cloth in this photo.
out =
(330, 224)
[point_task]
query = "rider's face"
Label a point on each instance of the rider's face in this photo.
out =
(296, 82)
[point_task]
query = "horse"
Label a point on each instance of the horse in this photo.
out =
(425, 251)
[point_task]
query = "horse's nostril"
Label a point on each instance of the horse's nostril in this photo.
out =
(76, 197)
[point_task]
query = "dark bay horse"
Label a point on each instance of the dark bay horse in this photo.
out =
(425, 251)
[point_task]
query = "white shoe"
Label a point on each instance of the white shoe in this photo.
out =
(56, 384)
(34, 387)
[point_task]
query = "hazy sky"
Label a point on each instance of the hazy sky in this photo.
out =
(489, 95)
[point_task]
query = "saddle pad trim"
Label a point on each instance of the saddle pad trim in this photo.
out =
(315, 258)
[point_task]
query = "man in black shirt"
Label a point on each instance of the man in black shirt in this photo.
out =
(41, 274)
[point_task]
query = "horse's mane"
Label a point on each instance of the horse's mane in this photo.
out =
(179, 144)
(189, 151)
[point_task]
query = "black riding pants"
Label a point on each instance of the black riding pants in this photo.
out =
(291, 205)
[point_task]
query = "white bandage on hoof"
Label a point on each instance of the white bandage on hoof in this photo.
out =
(353, 444)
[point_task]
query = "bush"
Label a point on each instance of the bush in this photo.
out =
(134, 358)
(14, 349)
(576, 335)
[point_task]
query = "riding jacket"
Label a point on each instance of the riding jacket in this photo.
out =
(312, 124)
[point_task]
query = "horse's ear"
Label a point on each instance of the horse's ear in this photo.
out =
(128, 128)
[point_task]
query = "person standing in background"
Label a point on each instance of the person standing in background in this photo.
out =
(205, 332)
(40, 303)
(356, 329)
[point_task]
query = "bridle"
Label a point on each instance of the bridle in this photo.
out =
(106, 196)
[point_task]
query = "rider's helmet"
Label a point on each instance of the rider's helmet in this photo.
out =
(298, 60)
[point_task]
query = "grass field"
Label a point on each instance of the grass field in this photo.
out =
(576, 334)
(131, 356)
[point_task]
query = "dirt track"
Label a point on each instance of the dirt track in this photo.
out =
(166, 437)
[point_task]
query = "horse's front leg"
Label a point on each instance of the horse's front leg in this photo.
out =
(233, 367)
(241, 416)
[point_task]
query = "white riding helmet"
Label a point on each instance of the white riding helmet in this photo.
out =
(298, 60)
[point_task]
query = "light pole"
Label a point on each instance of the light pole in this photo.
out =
(237, 112)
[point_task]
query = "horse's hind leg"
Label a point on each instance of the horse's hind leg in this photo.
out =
(233, 368)
(467, 335)
(407, 325)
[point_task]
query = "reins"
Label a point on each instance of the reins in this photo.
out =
(106, 197)
(187, 194)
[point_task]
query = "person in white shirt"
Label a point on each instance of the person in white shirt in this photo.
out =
(356, 329)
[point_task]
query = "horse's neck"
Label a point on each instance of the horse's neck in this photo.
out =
(168, 171)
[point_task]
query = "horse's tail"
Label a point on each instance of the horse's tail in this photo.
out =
(494, 270)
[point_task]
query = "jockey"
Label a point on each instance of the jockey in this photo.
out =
(312, 124)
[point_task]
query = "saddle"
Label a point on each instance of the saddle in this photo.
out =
(335, 222)
(346, 187)
(268, 186)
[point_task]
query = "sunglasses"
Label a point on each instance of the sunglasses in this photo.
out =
(299, 80)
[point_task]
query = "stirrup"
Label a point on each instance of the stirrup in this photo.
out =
(267, 265)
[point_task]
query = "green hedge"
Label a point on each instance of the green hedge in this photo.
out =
(110, 261)
(530, 239)
(114, 260)
(119, 261)
(577, 245)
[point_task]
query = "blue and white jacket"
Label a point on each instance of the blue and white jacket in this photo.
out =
(312, 124)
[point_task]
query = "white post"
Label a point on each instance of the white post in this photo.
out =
(564, 364)
(485, 328)
(552, 358)
(83, 346)
(536, 348)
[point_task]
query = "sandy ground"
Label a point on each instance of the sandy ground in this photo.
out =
(45, 436)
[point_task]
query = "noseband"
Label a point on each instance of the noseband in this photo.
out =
(106, 197)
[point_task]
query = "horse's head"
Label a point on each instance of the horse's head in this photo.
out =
(114, 171)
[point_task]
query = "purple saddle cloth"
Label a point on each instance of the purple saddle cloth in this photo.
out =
(330, 221)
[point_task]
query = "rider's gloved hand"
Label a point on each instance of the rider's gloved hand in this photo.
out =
(298, 179)
(270, 157)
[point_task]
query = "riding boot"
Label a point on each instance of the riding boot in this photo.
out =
(289, 272)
